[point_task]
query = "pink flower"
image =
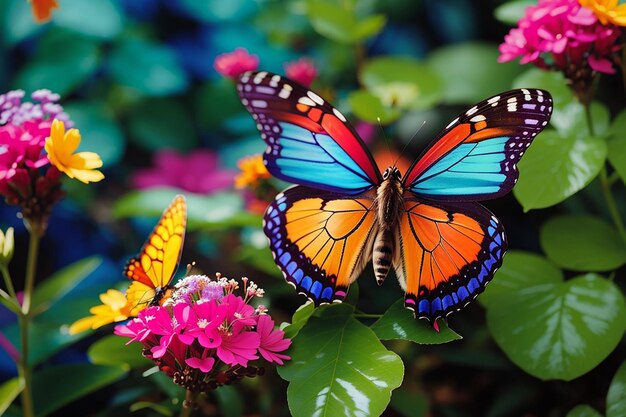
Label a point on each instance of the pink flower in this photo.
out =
(272, 341)
(302, 71)
(197, 172)
(563, 35)
(233, 64)
(238, 349)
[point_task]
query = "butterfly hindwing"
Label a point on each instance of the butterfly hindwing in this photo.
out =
(153, 268)
(309, 142)
(446, 254)
(320, 240)
(475, 158)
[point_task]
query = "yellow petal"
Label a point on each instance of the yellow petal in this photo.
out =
(82, 325)
(71, 142)
(89, 160)
(85, 175)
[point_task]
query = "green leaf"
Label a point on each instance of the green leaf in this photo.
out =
(258, 258)
(230, 401)
(97, 18)
(556, 167)
(571, 120)
(203, 211)
(400, 323)
(582, 243)
(583, 411)
(401, 82)
(10, 303)
(163, 123)
(337, 23)
(113, 350)
(616, 398)
(552, 81)
(77, 380)
(470, 71)
(9, 391)
(58, 67)
(512, 11)
(147, 67)
(617, 146)
(100, 132)
(513, 274)
(368, 107)
(61, 282)
(299, 319)
(559, 330)
(339, 368)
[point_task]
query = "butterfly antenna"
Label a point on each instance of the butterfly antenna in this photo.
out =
(406, 145)
(384, 135)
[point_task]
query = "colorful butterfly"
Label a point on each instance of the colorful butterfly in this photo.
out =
(153, 269)
(427, 224)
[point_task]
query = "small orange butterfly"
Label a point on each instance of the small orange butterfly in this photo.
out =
(153, 268)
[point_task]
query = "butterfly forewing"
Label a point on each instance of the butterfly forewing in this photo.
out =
(154, 267)
(475, 158)
(309, 141)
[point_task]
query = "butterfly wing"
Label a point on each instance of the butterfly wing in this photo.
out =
(309, 142)
(447, 253)
(156, 264)
(320, 240)
(475, 157)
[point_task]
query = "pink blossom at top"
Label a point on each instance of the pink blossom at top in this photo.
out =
(302, 71)
(564, 35)
(233, 64)
(198, 172)
(239, 348)
(272, 341)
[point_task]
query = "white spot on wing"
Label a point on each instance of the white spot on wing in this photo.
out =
(339, 115)
(307, 101)
(478, 118)
(472, 111)
(315, 97)
(452, 123)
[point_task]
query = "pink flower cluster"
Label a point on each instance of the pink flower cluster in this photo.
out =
(26, 176)
(233, 64)
(204, 336)
(561, 34)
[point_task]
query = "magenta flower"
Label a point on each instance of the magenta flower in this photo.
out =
(204, 338)
(563, 35)
(198, 172)
(272, 341)
(302, 71)
(233, 64)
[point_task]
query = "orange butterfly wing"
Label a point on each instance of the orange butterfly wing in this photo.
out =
(153, 268)
(446, 254)
(320, 240)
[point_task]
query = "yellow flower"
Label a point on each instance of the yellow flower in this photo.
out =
(115, 307)
(252, 170)
(42, 9)
(607, 11)
(60, 147)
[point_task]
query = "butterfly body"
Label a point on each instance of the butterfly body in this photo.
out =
(426, 224)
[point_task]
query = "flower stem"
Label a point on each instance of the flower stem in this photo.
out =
(31, 267)
(8, 282)
(189, 404)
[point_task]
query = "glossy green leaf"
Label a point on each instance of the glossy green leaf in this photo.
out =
(616, 397)
(571, 120)
(400, 323)
(337, 23)
(552, 81)
(339, 368)
(583, 411)
(9, 391)
(203, 211)
(162, 123)
(401, 82)
(368, 107)
(555, 167)
(617, 146)
(559, 330)
(147, 67)
(582, 243)
(470, 71)
(512, 11)
(100, 131)
(513, 275)
(299, 319)
(61, 282)
(97, 18)
(57, 67)
(113, 350)
(78, 380)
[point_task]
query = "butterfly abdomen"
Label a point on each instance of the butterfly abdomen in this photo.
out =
(382, 255)
(389, 203)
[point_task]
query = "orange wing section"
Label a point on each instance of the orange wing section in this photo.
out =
(157, 262)
(447, 253)
(320, 240)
